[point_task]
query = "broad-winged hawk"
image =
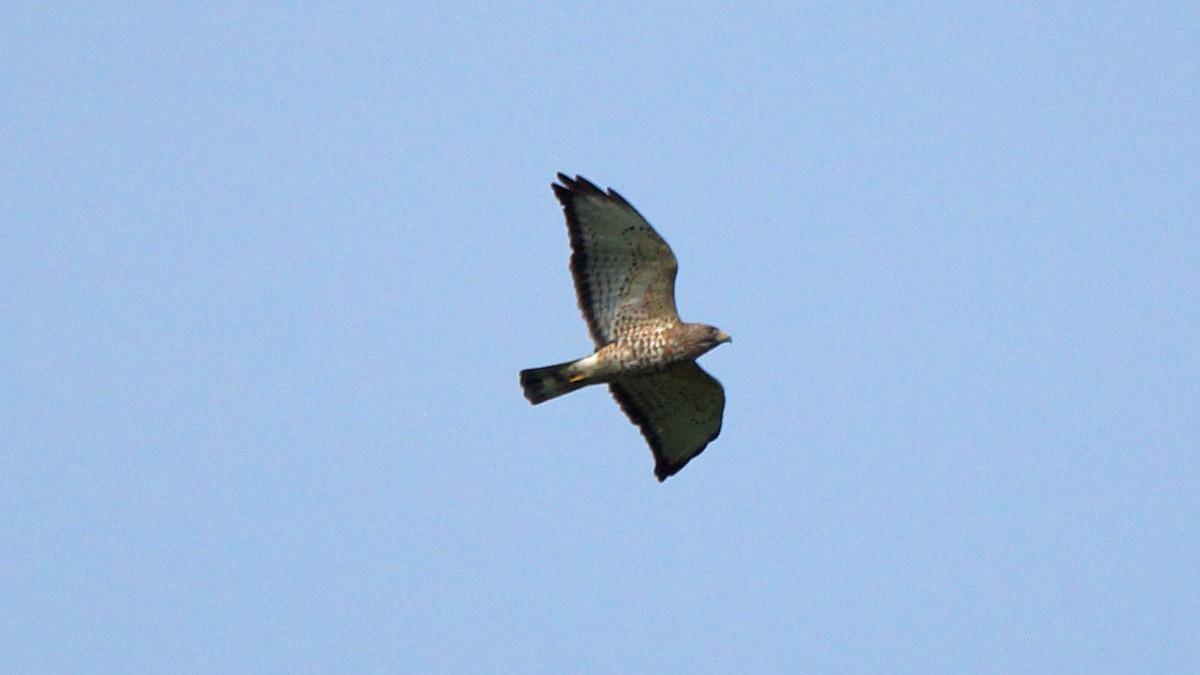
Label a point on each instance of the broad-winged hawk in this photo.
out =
(625, 282)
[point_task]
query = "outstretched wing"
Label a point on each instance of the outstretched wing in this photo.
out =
(624, 272)
(679, 410)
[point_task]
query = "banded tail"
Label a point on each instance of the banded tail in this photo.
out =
(543, 384)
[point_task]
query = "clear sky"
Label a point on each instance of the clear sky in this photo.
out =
(268, 274)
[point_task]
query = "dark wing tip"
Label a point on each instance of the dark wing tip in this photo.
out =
(562, 194)
(566, 196)
(616, 196)
(575, 186)
(663, 469)
(582, 187)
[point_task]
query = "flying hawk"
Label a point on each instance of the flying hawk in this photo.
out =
(625, 282)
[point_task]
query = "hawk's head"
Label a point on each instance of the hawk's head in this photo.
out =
(705, 338)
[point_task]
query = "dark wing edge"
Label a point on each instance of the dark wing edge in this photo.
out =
(663, 468)
(567, 193)
(584, 187)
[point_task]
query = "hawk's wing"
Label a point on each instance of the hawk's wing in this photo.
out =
(678, 409)
(624, 272)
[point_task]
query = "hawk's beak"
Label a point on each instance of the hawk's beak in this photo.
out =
(722, 336)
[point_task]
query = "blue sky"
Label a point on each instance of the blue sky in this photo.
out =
(268, 273)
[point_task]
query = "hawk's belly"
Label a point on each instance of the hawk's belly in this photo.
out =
(637, 355)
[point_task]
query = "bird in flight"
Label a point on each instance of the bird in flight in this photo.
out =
(624, 276)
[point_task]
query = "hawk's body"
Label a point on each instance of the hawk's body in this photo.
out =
(625, 281)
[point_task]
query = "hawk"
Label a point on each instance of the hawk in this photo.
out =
(625, 282)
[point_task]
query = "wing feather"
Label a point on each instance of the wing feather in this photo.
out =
(678, 409)
(624, 271)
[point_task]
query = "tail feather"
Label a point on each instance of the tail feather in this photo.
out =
(543, 384)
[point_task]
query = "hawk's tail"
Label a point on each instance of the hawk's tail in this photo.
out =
(543, 384)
